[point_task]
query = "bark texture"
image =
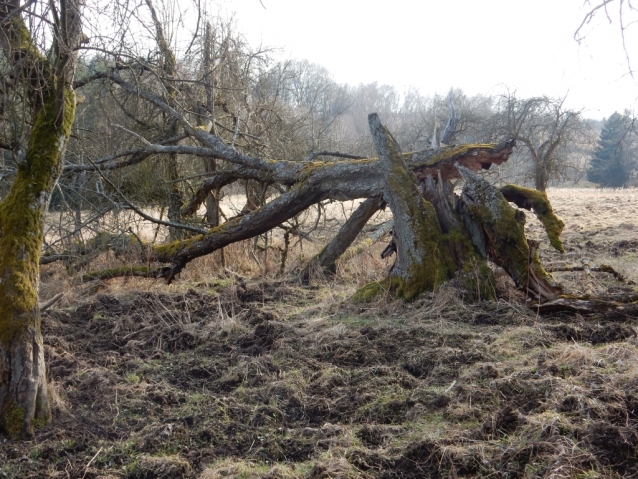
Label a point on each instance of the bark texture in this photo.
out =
(24, 400)
(538, 202)
(23, 393)
(497, 231)
(420, 266)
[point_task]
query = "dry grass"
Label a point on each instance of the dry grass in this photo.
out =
(237, 371)
(601, 226)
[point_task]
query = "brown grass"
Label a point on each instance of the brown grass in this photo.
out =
(236, 371)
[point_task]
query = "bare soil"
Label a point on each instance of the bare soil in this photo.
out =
(269, 379)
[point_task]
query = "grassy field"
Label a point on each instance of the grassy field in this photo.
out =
(226, 375)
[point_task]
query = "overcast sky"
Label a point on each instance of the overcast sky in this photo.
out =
(481, 46)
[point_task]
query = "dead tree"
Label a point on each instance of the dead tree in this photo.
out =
(442, 233)
(438, 234)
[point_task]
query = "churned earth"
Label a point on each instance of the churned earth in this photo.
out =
(245, 378)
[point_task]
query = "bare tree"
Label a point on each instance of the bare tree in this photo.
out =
(44, 77)
(621, 11)
(547, 130)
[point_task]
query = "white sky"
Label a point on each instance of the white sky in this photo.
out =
(481, 46)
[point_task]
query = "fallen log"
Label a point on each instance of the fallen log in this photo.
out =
(325, 261)
(589, 306)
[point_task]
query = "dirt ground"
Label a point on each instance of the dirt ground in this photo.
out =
(246, 378)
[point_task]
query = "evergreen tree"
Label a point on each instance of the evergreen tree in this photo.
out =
(614, 158)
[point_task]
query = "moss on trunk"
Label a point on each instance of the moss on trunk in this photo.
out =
(422, 262)
(22, 375)
(498, 231)
(141, 271)
(538, 202)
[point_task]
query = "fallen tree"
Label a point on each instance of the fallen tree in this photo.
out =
(437, 234)
(436, 237)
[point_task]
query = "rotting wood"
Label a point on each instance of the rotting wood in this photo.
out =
(497, 231)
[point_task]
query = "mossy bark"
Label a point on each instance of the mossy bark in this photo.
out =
(23, 390)
(472, 271)
(497, 231)
(422, 261)
(538, 202)
(141, 271)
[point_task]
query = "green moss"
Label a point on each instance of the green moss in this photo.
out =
(39, 422)
(369, 292)
(12, 419)
(474, 275)
(168, 251)
(109, 273)
(539, 203)
(426, 262)
(504, 226)
(22, 217)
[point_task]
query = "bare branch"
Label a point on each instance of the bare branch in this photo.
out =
(336, 154)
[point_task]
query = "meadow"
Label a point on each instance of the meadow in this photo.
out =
(240, 371)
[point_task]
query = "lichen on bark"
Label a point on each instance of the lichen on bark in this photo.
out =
(497, 230)
(422, 261)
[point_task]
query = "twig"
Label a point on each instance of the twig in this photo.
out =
(139, 137)
(144, 215)
(47, 304)
(86, 469)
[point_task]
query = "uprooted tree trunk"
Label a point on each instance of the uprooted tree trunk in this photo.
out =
(443, 236)
(438, 235)
(435, 240)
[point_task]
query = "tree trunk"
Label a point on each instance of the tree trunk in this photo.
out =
(24, 402)
(420, 266)
(498, 231)
(23, 391)
(169, 67)
(212, 198)
(173, 196)
(440, 194)
(541, 178)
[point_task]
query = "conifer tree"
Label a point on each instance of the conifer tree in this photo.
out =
(614, 158)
